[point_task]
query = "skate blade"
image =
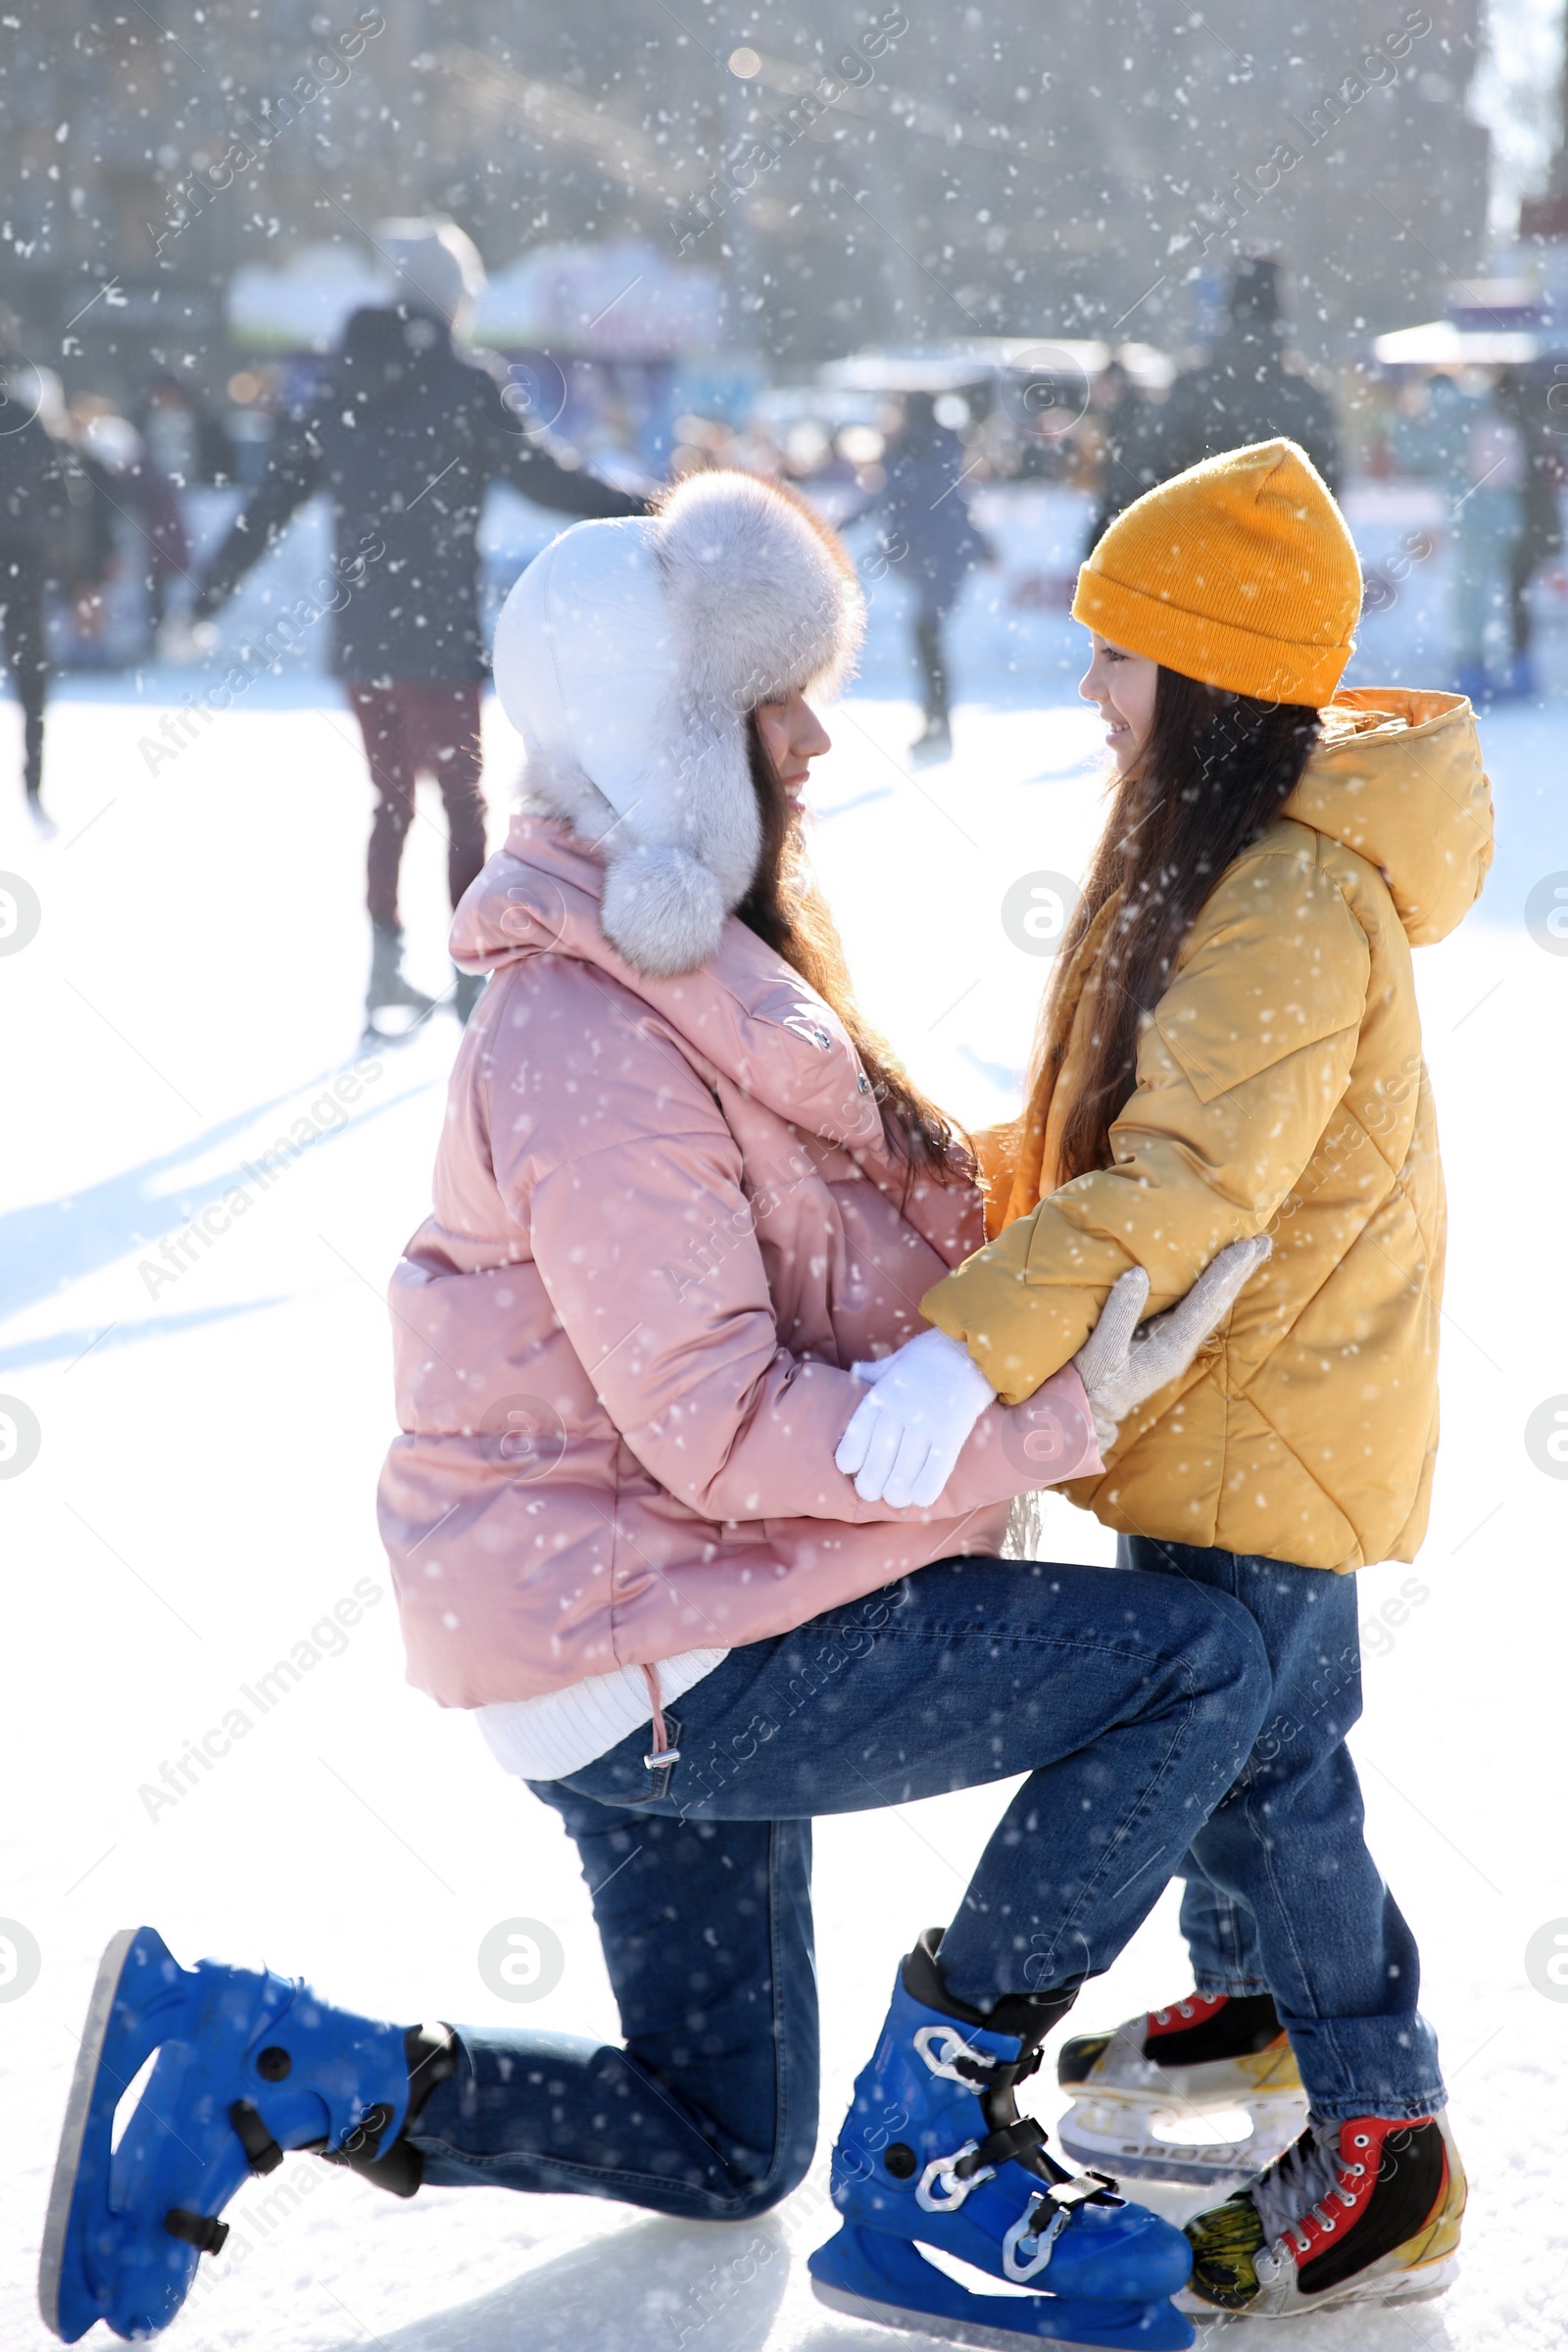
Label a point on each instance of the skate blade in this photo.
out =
(1426, 2284)
(372, 1039)
(948, 2331)
(1423, 2284)
(1385, 2289)
(78, 2107)
(1118, 2137)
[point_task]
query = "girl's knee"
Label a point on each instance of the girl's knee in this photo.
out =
(1234, 1661)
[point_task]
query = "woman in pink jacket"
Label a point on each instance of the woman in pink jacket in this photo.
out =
(681, 1194)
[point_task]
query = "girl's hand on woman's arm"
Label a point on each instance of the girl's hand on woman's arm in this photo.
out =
(1121, 1367)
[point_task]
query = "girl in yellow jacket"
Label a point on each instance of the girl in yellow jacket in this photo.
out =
(1231, 1048)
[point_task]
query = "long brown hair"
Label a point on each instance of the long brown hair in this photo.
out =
(1218, 768)
(789, 914)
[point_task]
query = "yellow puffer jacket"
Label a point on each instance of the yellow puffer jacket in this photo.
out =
(1280, 1089)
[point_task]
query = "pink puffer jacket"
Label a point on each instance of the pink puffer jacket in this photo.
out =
(664, 1221)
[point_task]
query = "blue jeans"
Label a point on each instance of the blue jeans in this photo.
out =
(1130, 1701)
(1282, 1895)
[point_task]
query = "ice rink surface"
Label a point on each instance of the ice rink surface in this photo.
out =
(209, 1438)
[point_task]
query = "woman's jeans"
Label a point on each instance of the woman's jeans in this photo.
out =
(1282, 1895)
(1131, 1701)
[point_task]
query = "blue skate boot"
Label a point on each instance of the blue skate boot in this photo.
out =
(935, 2153)
(249, 2064)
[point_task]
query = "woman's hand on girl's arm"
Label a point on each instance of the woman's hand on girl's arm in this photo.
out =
(905, 1438)
(904, 1443)
(1121, 1367)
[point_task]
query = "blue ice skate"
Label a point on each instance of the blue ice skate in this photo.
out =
(249, 2064)
(934, 2153)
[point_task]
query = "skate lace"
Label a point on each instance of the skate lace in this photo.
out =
(1301, 2182)
(1192, 2004)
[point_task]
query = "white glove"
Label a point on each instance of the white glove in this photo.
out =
(906, 1436)
(1120, 1370)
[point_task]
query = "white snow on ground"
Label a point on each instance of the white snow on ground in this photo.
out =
(209, 1444)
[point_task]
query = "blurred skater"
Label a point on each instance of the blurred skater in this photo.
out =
(32, 509)
(1123, 428)
(1474, 446)
(406, 437)
(1245, 390)
(1539, 536)
(925, 524)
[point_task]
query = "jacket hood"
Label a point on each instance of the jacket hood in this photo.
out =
(1399, 778)
(746, 1011)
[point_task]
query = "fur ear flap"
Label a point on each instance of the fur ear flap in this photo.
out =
(663, 909)
(700, 794)
(554, 785)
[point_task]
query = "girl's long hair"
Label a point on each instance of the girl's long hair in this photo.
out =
(788, 914)
(1215, 771)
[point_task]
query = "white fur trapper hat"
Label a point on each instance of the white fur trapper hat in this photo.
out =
(629, 656)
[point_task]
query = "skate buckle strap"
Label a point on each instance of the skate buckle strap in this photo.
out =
(1020, 2266)
(949, 2055)
(1059, 2202)
(262, 2150)
(1088, 2188)
(948, 2179)
(202, 2231)
(945, 2182)
(1021, 2138)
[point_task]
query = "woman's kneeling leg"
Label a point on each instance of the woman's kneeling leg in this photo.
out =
(708, 2109)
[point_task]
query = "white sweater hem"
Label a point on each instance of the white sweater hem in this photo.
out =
(544, 1738)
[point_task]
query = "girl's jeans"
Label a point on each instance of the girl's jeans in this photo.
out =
(1131, 1703)
(1282, 1895)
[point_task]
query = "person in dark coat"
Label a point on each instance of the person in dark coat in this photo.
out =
(405, 437)
(925, 527)
(1541, 534)
(33, 503)
(1126, 426)
(1244, 391)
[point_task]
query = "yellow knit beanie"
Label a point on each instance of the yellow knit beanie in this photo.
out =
(1239, 573)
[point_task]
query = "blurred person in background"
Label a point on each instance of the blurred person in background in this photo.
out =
(171, 431)
(1245, 391)
(1475, 447)
(31, 508)
(153, 503)
(131, 512)
(406, 438)
(1541, 536)
(1124, 432)
(1489, 525)
(88, 544)
(925, 525)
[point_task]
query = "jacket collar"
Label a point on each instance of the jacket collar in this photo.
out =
(745, 1011)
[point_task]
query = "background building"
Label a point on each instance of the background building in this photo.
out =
(867, 173)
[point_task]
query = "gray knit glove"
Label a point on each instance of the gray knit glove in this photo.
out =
(1121, 1367)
